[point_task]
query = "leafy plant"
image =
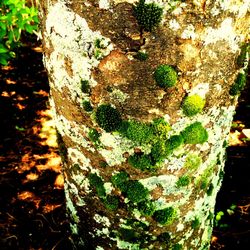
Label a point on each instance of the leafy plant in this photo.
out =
(15, 17)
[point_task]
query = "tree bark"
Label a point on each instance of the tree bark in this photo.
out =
(143, 98)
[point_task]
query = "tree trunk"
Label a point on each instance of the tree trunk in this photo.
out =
(144, 96)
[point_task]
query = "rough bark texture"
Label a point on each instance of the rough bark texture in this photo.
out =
(150, 181)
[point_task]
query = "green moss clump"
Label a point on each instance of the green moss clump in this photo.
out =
(195, 223)
(85, 87)
(195, 133)
(193, 161)
(94, 136)
(96, 182)
(120, 180)
(210, 189)
(193, 105)
(238, 85)
(160, 151)
(108, 118)
(148, 15)
(183, 181)
(243, 54)
(165, 76)
(176, 247)
(87, 106)
(161, 128)
(139, 132)
(128, 235)
(111, 202)
(146, 208)
(142, 56)
(175, 141)
(136, 192)
(165, 216)
(164, 237)
(143, 162)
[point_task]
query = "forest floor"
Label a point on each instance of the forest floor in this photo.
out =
(32, 203)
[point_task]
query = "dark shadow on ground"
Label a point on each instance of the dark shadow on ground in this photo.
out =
(32, 208)
(233, 230)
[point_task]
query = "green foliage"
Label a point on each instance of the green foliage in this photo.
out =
(143, 162)
(96, 182)
(165, 216)
(195, 133)
(15, 18)
(245, 49)
(238, 85)
(108, 118)
(165, 76)
(146, 208)
(138, 132)
(183, 181)
(120, 180)
(193, 161)
(136, 192)
(87, 106)
(193, 105)
(94, 136)
(111, 202)
(161, 128)
(176, 247)
(148, 15)
(85, 87)
(195, 223)
(142, 56)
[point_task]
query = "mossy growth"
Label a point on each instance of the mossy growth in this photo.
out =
(136, 192)
(195, 223)
(87, 106)
(111, 202)
(164, 237)
(85, 87)
(61, 146)
(129, 235)
(238, 85)
(120, 180)
(142, 56)
(141, 161)
(210, 189)
(161, 128)
(245, 49)
(203, 181)
(146, 208)
(165, 76)
(177, 247)
(160, 151)
(138, 132)
(183, 181)
(193, 161)
(165, 216)
(194, 134)
(175, 141)
(108, 118)
(100, 43)
(97, 183)
(192, 105)
(148, 15)
(94, 136)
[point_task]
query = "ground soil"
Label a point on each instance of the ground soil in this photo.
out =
(32, 203)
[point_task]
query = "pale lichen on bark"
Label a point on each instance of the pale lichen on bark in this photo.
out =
(96, 42)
